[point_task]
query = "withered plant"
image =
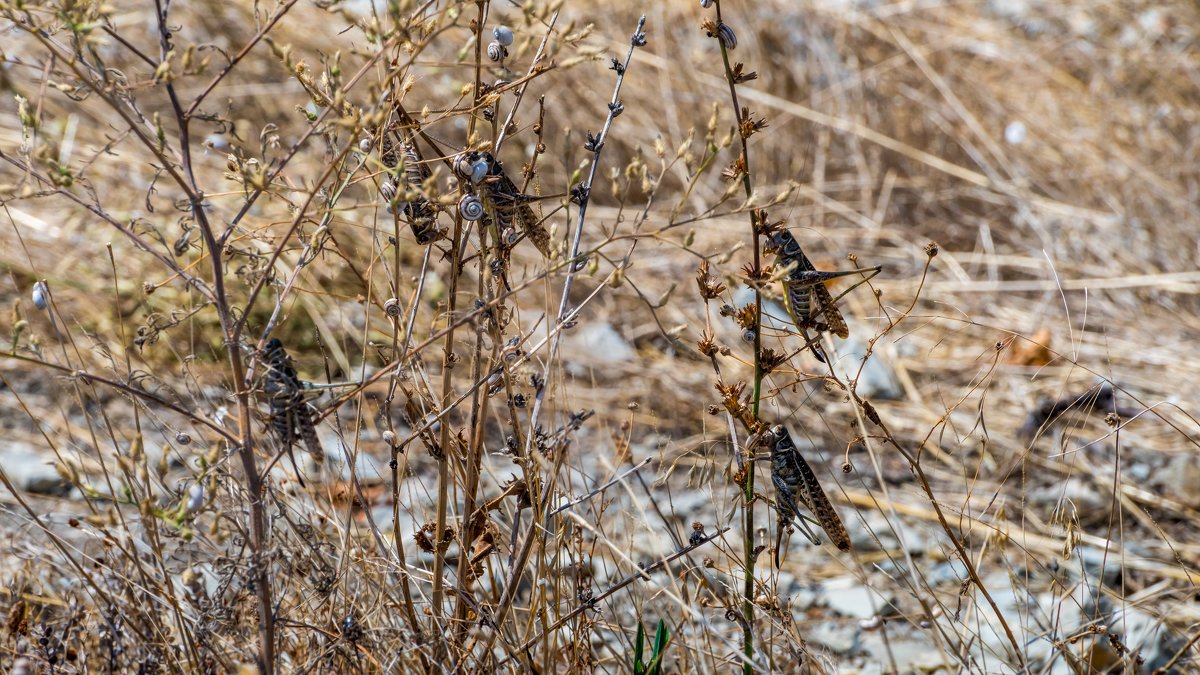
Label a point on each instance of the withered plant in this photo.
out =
(361, 337)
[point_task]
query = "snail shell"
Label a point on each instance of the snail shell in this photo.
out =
(39, 295)
(510, 236)
(748, 336)
(497, 51)
(391, 307)
(183, 438)
(471, 167)
(727, 37)
(387, 191)
(503, 35)
(470, 207)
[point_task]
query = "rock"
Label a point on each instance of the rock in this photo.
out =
(31, 471)
(848, 597)
(878, 379)
(596, 344)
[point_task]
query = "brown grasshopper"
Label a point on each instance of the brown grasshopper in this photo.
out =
(795, 484)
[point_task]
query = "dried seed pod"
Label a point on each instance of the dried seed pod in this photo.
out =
(40, 293)
(387, 191)
(392, 307)
(496, 265)
(727, 37)
(497, 51)
(470, 207)
(503, 35)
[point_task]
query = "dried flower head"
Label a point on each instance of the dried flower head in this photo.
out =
(710, 286)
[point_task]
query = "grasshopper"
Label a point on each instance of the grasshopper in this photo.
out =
(807, 300)
(795, 484)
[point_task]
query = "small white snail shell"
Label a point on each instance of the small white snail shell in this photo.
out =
(497, 51)
(365, 145)
(472, 170)
(748, 336)
(503, 35)
(387, 191)
(391, 307)
(495, 382)
(510, 354)
(389, 437)
(183, 438)
(39, 295)
(706, 3)
(195, 497)
(478, 171)
(470, 207)
(510, 236)
(727, 37)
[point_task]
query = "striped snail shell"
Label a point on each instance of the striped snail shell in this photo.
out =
(470, 207)
(497, 51)
(471, 166)
(387, 191)
(748, 335)
(391, 307)
(706, 3)
(727, 37)
(510, 236)
(503, 35)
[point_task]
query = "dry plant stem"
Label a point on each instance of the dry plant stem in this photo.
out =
(256, 498)
(956, 539)
(615, 108)
(443, 492)
(643, 574)
(748, 486)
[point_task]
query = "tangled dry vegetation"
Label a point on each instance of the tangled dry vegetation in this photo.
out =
(541, 419)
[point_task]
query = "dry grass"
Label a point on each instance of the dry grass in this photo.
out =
(1048, 148)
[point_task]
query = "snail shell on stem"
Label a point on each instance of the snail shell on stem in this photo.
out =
(727, 37)
(470, 207)
(392, 307)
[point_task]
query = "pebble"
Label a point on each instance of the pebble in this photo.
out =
(30, 471)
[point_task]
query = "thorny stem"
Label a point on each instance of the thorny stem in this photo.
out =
(748, 486)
